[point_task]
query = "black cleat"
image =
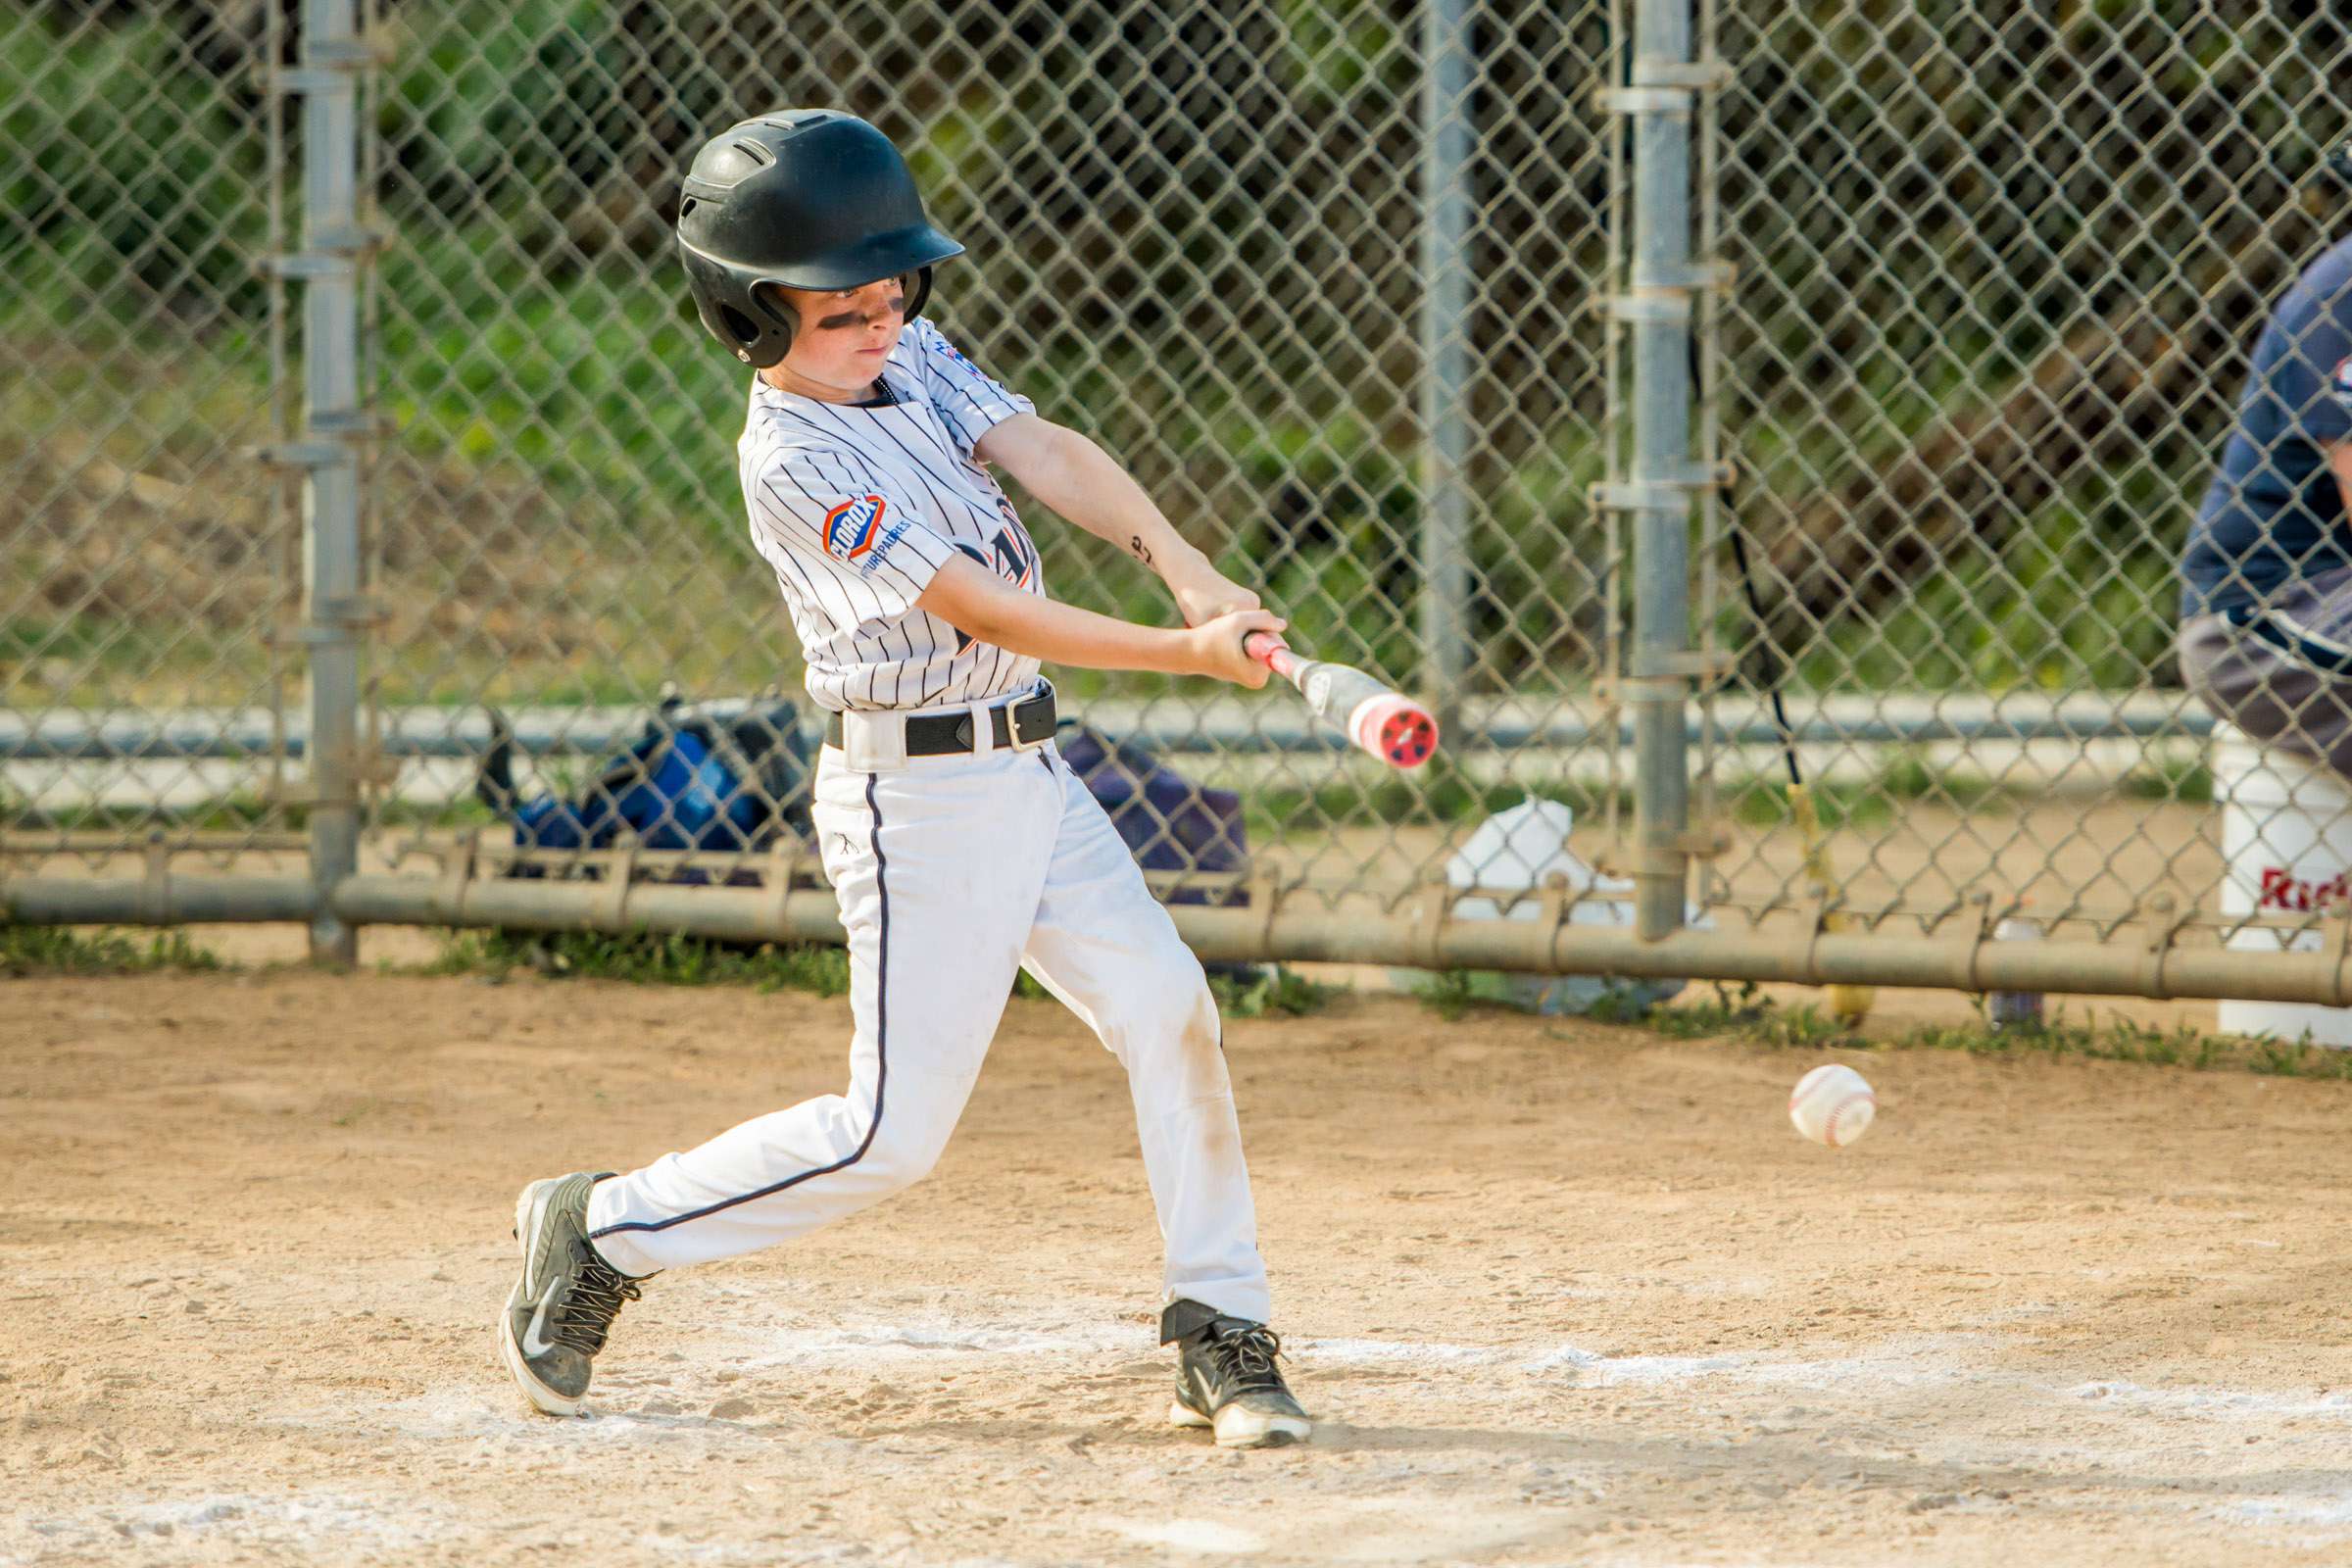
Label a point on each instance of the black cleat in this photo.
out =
(1226, 1381)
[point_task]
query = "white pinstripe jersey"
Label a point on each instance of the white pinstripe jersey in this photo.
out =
(856, 508)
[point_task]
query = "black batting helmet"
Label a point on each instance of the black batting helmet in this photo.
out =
(807, 198)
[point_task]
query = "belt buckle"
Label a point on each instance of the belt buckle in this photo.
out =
(1013, 718)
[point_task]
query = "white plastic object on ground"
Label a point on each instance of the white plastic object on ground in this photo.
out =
(2286, 848)
(1521, 849)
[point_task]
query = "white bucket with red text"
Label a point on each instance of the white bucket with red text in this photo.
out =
(2286, 850)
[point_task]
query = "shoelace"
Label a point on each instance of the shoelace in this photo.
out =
(586, 1313)
(1244, 1360)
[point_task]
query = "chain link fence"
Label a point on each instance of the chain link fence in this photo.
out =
(1999, 270)
(148, 566)
(1993, 276)
(1192, 232)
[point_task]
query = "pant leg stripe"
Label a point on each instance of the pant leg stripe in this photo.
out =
(2315, 651)
(881, 1054)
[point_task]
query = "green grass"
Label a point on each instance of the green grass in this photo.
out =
(2060, 605)
(2117, 1040)
(1904, 779)
(1450, 993)
(1744, 1015)
(1276, 993)
(644, 959)
(2171, 778)
(235, 814)
(1741, 1013)
(48, 950)
(641, 958)
(1437, 793)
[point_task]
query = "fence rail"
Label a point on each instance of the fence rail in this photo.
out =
(1479, 332)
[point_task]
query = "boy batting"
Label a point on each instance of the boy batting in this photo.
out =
(958, 843)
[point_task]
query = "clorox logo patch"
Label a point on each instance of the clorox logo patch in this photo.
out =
(852, 526)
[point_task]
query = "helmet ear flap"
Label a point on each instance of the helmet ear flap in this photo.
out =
(780, 319)
(921, 292)
(751, 319)
(760, 336)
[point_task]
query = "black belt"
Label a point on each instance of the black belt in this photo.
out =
(1029, 720)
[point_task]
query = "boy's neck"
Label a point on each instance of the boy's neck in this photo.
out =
(785, 380)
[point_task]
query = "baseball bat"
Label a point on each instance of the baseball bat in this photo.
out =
(1391, 727)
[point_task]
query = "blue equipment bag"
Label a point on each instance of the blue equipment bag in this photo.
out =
(694, 781)
(689, 781)
(1170, 822)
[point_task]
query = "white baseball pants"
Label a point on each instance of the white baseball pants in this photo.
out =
(950, 873)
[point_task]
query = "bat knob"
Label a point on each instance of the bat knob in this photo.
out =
(1394, 730)
(1408, 739)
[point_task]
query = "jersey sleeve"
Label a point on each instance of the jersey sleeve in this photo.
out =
(2312, 379)
(2329, 422)
(834, 525)
(970, 401)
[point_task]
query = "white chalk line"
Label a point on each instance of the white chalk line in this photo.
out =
(1190, 1535)
(1913, 1363)
(638, 1410)
(247, 1517)
(2331, 1511)
(2212, 1401)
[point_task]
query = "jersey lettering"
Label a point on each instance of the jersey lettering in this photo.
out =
(1015, 562)
(1016, 556)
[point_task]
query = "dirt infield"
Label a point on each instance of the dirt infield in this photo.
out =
(1558, 1295)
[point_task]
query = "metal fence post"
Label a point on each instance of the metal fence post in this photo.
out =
(1658, 306)
(334, 246)
(1445, 355)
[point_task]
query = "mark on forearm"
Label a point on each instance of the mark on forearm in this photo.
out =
(1143, 555)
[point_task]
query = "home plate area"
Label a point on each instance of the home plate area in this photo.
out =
(1555, 1293)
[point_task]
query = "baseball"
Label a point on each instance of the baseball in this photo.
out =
(1832, 1105)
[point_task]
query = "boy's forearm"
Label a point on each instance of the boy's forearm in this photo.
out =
(1085, 485)
(974, 603)
(1063, 634)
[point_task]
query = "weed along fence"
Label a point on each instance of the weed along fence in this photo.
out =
(1687, 401)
